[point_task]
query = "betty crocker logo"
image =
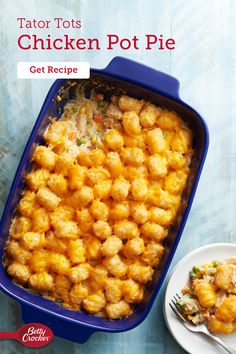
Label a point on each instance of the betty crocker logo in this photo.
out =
(33, 335)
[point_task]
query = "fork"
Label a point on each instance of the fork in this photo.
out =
(200, 328)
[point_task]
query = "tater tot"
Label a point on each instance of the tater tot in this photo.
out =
(96, 174)
(154, 231)
(165, 200)
(98, 277)
(157, 166)
(85, 219)
(76, 251)
(41, 222)
(139, 212)
(181, 141)
(134, 247)
(140, 273)
(56, 133)
(37, 179)
(44, 157)
(120, 189)
(132, 156)
(119, 310)
(111, 246)
(41, 281)
(93, 247)
(112, 289)
(58, 184)
(67, 229)
(127, 103)
(134, 141)
(131, 290)
(40, 260)
(139, 189)
(84, 159)
(62, 212)
(168, 136)
(77, 176)
(47, 198)
(18, 253)
(81, 198)
(113, 139)
(168, 120)
(19, 271)
(79, 273)
(99, 210)
(31, 240)
(205, 293)
(97, 157)
(114, 164)
(130, 121)
(62, 287)
(120, 210)
(102, 229)
(155, 141)
(148, 115)
(126, 229)
(78, 293)
(224, 276)
(152, 254)
(102, 189)
(55, 243)
(20, 225)
(160, 216)
(59, 263)
(175, 181)
(176, 160)
(227, 310)
(115, 266)
(135, 172)
(27, 204)
(217, 326)
(94, 303)
(64, 164)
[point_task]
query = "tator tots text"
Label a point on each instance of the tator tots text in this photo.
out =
(28, 40)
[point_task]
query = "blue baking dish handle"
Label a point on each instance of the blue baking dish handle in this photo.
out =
(61, 327)
(131, 70)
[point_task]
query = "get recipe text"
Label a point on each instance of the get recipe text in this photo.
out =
(49, 69)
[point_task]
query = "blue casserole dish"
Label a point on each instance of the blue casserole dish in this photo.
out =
(137, 80)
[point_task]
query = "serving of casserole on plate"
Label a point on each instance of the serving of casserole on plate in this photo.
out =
(103, 190)
(211, 296)
(208, 276)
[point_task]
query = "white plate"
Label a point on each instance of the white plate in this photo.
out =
(192, 342)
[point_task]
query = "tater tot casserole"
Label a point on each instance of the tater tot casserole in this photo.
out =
(104, 190)
(211, 296)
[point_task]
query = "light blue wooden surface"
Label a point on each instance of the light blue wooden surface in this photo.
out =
(205, 63)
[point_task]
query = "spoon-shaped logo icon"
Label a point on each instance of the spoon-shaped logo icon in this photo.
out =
(33, 335)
